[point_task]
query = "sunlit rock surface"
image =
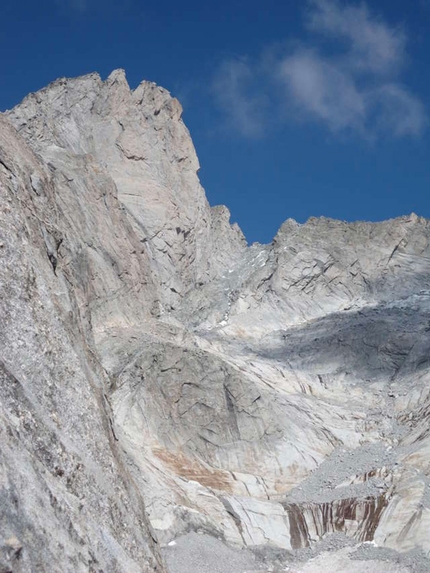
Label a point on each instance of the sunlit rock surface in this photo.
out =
(161, 379)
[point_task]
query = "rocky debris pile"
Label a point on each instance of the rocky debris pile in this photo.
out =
(162, 379)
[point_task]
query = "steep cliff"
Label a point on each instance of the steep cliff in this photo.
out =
(160, 376)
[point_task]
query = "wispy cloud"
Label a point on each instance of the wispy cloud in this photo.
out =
(322, 90)
(234, 88)
(396, 110)
(372, 44)
(355, 88)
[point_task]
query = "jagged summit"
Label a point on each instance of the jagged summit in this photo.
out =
(160, 376)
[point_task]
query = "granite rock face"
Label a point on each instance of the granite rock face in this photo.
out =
(161, 377)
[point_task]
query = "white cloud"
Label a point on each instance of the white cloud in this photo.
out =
(397, 111)
(323, 90)
(373, 45)
(355, 88)
(234, 91)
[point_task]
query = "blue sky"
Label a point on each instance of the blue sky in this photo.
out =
(297, 108)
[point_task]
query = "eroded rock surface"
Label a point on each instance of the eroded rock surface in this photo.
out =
(161, 377)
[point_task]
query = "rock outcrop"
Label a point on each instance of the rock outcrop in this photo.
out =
(160, 376)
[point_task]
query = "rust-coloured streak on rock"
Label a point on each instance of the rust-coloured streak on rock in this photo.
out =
(193, 470)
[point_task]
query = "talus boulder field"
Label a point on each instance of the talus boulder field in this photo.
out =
(172, 399)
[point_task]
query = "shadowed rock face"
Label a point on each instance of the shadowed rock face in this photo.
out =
(159, 376)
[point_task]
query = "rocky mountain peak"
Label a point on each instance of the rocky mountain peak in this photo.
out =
(160, 377)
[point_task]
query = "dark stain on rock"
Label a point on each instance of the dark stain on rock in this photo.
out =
(335, 517)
